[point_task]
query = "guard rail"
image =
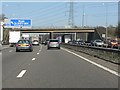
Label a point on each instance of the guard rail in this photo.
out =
(108, 54)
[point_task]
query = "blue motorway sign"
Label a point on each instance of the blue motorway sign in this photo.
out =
(20, 23)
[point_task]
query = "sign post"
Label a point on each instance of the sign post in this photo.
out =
(1, 29)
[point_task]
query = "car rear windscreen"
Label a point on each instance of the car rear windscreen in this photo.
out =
(23, 41)
(35, 41)
(54, 41)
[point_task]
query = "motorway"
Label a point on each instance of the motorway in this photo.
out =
(53, 68)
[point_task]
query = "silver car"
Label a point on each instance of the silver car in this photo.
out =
(53, 43)
(24, 45)
(98, 42)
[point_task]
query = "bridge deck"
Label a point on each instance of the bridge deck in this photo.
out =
(57, 30)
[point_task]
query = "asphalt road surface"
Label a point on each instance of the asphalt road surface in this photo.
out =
(52, 68)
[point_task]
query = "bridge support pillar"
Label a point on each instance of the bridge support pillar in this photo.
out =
(75, 36)
(51, 35)
(90, 37)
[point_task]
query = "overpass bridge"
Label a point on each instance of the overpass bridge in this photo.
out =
(73, 30)
(89, 32)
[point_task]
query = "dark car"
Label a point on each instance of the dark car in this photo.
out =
(24, 45)
(81, 42)
(0, 45)
(45, 42)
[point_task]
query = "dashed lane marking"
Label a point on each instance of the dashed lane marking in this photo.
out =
(38, 53)
(10, 50)
(33, 59)
(21, 73)
(40, 48)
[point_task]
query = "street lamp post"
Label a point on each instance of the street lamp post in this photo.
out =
(106, 21)
(83, 14)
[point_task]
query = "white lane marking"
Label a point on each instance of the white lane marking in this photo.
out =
(40, 47)
(21, 73)
(98, 65)
(10, 50)
(38, 53)
(33, 59)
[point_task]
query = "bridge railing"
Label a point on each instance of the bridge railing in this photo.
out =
(110, 55)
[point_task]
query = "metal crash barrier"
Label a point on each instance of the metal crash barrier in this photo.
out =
(111, 55)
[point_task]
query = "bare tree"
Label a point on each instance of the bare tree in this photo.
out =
(2, 17)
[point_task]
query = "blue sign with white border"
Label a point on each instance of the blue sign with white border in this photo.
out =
(20, 23)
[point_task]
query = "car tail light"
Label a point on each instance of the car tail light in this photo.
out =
(114, 43)
(17, 44)
(28, 45)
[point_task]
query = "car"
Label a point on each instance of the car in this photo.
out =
(97, 42)
(81, 42)
(113, 43)
(45, 42)
(35, 42)
(70, 42)
(0, 45)
(75, 42)
(24, 45)
(53, 43)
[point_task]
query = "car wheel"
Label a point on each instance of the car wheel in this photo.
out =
(31, 50)
(48, 48)
(17, 50)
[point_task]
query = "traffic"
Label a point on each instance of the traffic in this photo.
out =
(50, 44)
(98, 43)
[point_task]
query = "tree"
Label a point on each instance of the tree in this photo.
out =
(2, 17)
(118, 29)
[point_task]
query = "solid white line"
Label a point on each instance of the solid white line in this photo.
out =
(98, 65)
(33, 59)
(21, 73)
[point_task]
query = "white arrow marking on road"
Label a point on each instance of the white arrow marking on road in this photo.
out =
(33, 59)
(21, 73)
(38, 53)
